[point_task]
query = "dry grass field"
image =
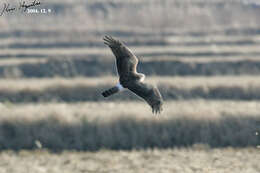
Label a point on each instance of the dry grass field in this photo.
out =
(84, 126)
(197, 159)
(203, 55)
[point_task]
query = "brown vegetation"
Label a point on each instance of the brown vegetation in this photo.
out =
(129, 125)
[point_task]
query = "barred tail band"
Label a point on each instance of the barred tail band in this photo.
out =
(110, 91)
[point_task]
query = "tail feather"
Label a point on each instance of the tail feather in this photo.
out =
(110, 91)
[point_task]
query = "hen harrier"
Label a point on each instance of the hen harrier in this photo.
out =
(126, 63)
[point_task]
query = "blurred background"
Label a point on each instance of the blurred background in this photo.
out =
(204, 56)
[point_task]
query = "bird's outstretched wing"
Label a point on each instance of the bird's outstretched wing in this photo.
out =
(117, 47)
(149, 93)
(126, 61)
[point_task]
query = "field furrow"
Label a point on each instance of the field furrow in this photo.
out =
(95, 66)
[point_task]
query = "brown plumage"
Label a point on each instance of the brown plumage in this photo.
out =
(126, 63)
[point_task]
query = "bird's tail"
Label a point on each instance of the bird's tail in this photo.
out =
(113, 90)
(110, 91)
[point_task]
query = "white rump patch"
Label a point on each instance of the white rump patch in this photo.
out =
(143, 77)
(119, 86)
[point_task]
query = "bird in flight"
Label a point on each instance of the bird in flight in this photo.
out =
(129, 78)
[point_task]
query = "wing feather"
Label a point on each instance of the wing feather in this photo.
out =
(149, 93)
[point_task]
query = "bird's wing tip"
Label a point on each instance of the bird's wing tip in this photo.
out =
(110, 41)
